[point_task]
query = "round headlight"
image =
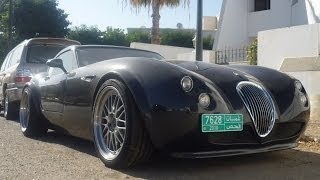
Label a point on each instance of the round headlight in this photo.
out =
(303, 99)
(298, 85)
(204, 100)
(187, 83)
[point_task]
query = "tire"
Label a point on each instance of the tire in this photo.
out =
(32, 123)
(120, 138)
(9, 108)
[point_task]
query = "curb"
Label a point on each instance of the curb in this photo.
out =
(306, 138)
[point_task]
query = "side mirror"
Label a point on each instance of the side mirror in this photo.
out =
(56, 63)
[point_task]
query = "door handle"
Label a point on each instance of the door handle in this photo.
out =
(88, 78)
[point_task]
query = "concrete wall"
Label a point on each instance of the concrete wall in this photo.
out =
(278, 16)
(239, 24)
(169, 52)
(208, 56)
(232, 30)
(276, 45)
(172, 52)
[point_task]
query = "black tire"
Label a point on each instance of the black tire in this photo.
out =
(9, 108)
(32, 123)
(136, 146)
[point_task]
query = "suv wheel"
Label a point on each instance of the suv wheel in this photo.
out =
(8, 108)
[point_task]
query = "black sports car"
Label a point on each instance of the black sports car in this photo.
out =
(130, 102)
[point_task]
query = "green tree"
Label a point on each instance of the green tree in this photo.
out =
(252, 52)
(139, 36)
(86, 35)
(115, 37)
(156, 5)
(35, 18)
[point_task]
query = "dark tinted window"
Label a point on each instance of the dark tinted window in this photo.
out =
(90, 55)
(260, 5)
(40, 53)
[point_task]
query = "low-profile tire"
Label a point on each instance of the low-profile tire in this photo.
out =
(119, 136)
(31, 121)
(9, 108)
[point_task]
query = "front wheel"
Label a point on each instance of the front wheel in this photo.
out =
(119, 135)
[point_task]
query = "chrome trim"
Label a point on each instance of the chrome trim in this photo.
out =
(181, 83)
(260, 106)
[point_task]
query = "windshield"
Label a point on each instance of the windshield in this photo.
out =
(90, 55)
(40, 53)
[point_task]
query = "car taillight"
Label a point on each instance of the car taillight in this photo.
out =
(22, 79)
(23, 76)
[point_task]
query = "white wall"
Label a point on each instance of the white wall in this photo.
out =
(313, 9)
(276, 45)
(208, 56)
(238, 23)
(278, 16)
(232, 31)
(169, 52)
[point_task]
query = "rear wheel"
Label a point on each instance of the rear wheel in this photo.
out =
(119, 135)
(9, 108)
(31, 121)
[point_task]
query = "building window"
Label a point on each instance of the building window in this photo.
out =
(261, 5)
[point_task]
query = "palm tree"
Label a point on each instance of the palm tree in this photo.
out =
(156, 5)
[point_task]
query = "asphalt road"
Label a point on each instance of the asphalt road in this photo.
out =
(57, 156)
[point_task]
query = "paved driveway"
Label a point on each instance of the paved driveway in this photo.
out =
(61, 157)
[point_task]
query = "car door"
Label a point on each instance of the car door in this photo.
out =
(77, 101)
(53, 90)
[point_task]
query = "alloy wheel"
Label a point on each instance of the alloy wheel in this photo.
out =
(109, 123)
(24, 110)
(6, 105)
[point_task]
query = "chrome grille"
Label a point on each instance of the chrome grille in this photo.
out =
(259, 105)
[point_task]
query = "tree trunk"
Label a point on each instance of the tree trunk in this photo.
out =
(155, 31)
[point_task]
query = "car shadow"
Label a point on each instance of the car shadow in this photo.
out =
(78, 144)
(288, 164)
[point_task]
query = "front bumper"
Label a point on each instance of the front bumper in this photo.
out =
(234, 152)
(179, 133)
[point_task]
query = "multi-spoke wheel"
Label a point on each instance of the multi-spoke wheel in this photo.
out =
(119, 136)
(8, 108)
(31, 121)
(110, 123)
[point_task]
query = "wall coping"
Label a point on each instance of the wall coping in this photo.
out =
(300, 64)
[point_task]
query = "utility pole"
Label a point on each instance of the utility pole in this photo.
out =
(199, 40)
(10, 24)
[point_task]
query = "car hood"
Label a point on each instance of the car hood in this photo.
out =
(227, 77)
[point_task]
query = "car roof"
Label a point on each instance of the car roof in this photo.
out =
(48, 40)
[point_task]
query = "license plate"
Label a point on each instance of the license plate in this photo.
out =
(221, 122)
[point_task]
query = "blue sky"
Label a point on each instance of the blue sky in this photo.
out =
(103, 13)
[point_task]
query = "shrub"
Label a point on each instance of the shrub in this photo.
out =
(252, 55)
(139, 36)
(180, 38)
(208, 43)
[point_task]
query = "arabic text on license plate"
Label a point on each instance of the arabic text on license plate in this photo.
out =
(221, 122)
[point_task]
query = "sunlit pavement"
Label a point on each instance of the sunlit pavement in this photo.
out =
(57, 156)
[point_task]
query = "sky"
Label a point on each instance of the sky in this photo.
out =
(115, 13)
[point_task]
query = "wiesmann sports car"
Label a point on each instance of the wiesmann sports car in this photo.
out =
(130, 102)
